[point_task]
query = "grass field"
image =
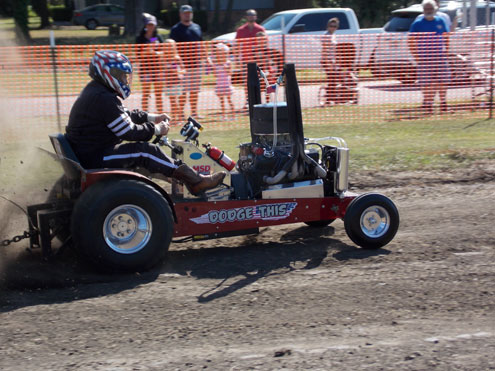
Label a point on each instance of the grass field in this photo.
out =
(396, 146)
(385, 146)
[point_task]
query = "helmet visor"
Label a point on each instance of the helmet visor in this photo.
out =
(125, 78)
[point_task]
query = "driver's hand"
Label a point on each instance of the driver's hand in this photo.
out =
(162, 128)
(161, 117)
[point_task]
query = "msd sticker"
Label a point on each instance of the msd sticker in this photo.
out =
(202, 169)
(258, 212)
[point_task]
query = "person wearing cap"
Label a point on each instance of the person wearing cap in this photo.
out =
(149, 55)
(428, 43)
(246, 40)
(188, 35)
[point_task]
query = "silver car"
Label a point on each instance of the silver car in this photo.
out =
(99, 15)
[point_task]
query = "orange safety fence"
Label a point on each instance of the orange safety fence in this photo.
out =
(349, 78)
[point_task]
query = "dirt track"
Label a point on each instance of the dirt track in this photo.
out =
(291, 297)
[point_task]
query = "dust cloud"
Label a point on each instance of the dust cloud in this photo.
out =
(23, 176)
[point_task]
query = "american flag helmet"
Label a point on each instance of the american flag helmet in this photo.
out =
(113, 69)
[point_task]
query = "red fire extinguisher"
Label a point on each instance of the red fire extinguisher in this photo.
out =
(220, 157)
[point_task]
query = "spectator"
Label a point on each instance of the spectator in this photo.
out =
(329, 44)
(150, 62)
(188, 34)
(174, 73)
(222, 68)
(246, 43)
(429, 50)
(270, 60)
(451, 26)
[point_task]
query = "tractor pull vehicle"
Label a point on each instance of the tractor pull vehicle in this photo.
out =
(123, 220)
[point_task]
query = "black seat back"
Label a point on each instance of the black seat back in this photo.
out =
(70, 163)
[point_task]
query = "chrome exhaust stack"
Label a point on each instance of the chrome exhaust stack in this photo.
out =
(341, 181)
(338, 170)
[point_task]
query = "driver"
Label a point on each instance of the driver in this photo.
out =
(99, 123)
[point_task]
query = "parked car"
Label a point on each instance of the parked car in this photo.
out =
(392, 58)
(99, 15)
(305, 52)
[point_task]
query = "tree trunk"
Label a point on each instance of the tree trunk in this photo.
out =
(41, 9)
(20, 8)
(133, 13)
(216, 17)
(228, 16)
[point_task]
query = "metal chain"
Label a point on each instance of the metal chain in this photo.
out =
(18, 238)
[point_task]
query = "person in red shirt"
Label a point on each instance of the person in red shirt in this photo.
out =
(246, 40)
(248, 31)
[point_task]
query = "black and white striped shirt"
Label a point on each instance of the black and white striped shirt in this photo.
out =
(98, 120)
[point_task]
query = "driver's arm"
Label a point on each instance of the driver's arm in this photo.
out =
(138, 116)
(122, 124)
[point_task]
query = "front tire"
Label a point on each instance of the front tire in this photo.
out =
(371, 220)
(122, 225)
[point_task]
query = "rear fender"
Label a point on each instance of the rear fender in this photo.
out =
(91, 177)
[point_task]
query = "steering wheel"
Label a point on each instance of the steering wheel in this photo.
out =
(157, 139)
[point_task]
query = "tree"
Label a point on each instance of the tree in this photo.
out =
(6, 8)
(216, 17)
(227, 16)
(41, 9)
(133, 14)
(20, 10)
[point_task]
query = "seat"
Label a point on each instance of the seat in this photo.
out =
(70, 163)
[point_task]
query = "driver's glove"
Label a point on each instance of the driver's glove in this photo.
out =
(162, 128)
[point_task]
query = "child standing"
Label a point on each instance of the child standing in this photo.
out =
(174, 72)
(222, 68)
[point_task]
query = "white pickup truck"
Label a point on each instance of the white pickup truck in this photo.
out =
(297, 29)
(392, 58)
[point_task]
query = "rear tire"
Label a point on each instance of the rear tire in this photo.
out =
(371, 220)
(122, 225)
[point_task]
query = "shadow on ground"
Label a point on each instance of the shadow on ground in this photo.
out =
(28, 280)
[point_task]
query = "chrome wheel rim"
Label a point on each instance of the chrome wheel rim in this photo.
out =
(127, 229)
(375, 221)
